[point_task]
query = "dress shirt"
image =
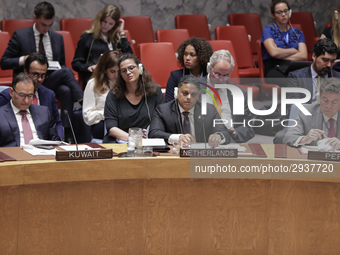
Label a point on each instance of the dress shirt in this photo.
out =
(316, 93)
(18, 117)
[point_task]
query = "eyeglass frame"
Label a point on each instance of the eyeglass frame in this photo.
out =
(22, 95)
(219, 75)
(39, 75)
(130, 69)
(285, 12)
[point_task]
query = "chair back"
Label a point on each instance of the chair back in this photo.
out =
(159, 59)
(175, 36)
(197, 25)
(10, 25)
(6, 76)
(76, 27)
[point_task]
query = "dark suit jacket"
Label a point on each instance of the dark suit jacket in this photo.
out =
(23, 43)
(302, 78)
(9, 129)
(167, 121)
(46, 98)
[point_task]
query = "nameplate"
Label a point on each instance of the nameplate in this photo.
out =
(208, 153)
(84, 154)
(318, 155)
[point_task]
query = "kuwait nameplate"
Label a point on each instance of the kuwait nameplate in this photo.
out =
(84, 154)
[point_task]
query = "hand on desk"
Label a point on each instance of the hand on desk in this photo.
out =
(313, 134)
(214, 140)
(334, 142)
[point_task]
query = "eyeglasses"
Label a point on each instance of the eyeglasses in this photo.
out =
(219, 75)
(22, 95)
(130, 69)
(186, 93)
(38, 75)
(285, 12)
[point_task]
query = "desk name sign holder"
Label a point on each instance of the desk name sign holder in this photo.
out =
(208, 153)
(84, 154)
(321, 155)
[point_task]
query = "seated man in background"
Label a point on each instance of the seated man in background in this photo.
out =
(180, 120)
(219, 69)
(324, 121)
(324, 56)
(22, 121)
(39, 38)
(36, 67)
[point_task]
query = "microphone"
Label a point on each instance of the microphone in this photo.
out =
(204, 137)
(69, 121)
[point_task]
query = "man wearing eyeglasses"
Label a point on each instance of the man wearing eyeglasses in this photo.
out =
(22, 121)
(219, 69)
(180, 120)
(36, 67)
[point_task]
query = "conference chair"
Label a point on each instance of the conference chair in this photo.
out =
(305, 19)
(175, 36)
(10, 25)
(6, 76)
(140, 28)
(252, 22)
(239, 37)
(76, 27)
(266, 88)
(234, 77)
(159, 59)
(69, 54)
(197, 25)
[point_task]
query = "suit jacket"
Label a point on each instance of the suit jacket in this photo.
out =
(167, 121)
(46, 98)
(9, 129)
(306, 123)
(302, 78)
(23, 43)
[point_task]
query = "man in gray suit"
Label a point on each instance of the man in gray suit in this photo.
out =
(324, 123)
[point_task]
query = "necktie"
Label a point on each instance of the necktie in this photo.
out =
(218, 104)
(41, 44)
(35, 100)
(318, 84)
(186, 123)
(28, 136)
(331, 131)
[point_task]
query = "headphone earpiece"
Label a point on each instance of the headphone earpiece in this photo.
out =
(140, 67)
(175, 92)
(290, 13)
(336, 15)
(208, 67)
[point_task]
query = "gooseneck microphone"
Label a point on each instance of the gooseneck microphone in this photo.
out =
(69, 120)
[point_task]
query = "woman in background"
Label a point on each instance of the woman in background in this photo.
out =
(102, 80)
(132, 101)
(193, 54)
(281, 43)
(105, 34)
(333, 33)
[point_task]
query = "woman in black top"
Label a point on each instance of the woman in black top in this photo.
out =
(105, 34)
(132, 100)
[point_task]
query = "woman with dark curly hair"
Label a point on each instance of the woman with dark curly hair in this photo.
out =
(193, 55)
(132, 100)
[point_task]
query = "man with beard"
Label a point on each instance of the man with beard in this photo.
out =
(324, 56)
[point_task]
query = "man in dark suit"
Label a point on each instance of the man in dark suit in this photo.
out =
(39, 38)
(36, 67)
(219, 68)
(180, 120)
(324, 56)
(22, 121)
(324, 121)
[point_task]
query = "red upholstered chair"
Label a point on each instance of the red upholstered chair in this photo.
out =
(175, 36)
(76, 27)
(265, 87)
(10, 25)
(140, 28)
(252, 22)
(159, 59)
(305, 19)
(197, 25)
(234, 77)
(6, 76)
(69, 53)
(239, 37)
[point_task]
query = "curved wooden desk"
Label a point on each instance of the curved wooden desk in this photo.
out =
(152, 206)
